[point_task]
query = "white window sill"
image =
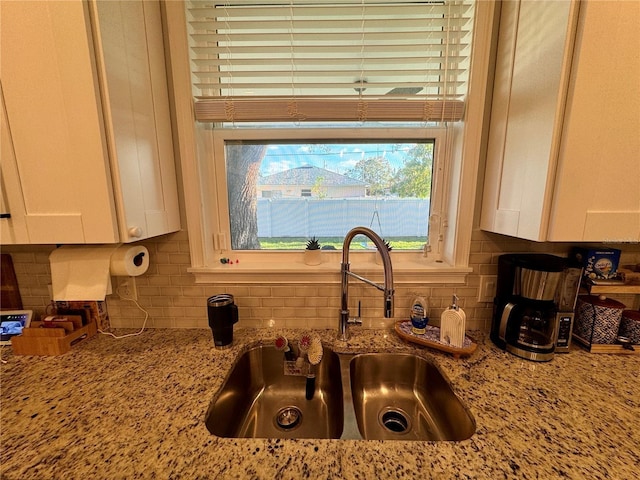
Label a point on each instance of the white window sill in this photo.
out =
(289, 267)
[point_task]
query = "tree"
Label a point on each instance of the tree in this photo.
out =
(375, 171)
(414, 178)
(318, 189)
(243, 166)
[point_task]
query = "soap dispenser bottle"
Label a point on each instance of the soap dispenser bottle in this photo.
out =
(418, 315)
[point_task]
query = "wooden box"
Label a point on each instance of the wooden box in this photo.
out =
(92, 310)
(606, 348)
(37, 340)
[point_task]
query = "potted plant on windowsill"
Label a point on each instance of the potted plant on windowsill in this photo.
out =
(312, 252)
(378, 256)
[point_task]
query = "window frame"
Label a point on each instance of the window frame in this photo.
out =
(466, 145)
(301, 135)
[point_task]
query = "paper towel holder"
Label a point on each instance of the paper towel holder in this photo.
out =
(138, 259)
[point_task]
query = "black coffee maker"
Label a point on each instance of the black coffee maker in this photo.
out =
(524, 314)
(223, 313)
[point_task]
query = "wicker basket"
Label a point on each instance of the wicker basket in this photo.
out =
(597, 319)
(630, 326)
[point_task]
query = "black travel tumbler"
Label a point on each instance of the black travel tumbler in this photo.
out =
(223, 313)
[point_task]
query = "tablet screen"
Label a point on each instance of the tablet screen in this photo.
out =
(11, 324)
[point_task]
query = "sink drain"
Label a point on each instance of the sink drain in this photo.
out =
(288, 418)
(395, 420)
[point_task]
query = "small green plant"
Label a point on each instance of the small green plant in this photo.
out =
(313, 244)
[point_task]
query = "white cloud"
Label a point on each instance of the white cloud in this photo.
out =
(276, 167)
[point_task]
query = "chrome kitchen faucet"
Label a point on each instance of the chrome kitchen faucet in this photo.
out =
(387, 288)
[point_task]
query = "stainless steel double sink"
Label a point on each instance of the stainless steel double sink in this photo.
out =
(371, 396)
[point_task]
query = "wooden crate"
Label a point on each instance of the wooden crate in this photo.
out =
(606, 348)
(51, 341)
(95, 311)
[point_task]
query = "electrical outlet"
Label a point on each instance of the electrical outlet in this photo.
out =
(127, 288)
(487, 289)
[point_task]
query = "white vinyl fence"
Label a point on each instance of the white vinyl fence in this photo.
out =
(334, 217)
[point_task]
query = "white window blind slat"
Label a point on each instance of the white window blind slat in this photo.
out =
(453, 24)
(201, 51)
(318, 61)
(201, 9)
(362, 50)
(335, 89)
(315, 73)
(331, 37)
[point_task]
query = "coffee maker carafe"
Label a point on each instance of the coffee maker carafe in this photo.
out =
(524, 318)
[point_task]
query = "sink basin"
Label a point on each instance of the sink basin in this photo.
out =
(405, 397)
(372, 396)
(259, 401)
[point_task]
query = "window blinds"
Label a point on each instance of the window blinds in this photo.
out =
(329, 60)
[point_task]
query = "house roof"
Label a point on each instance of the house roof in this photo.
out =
(309, 175)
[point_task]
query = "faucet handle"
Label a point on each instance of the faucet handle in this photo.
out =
(358, 319)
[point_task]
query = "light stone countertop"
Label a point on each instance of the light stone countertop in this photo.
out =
(134, 408)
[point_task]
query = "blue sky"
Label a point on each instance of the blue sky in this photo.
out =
(341, 157)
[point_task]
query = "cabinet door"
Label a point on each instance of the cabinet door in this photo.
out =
(526, 116)
(55, 120)
(597, 196)
(13, 229)
(130, 52)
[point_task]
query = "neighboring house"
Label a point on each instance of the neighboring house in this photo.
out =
(309, 181)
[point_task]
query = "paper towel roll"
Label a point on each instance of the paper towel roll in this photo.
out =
(129, 261)
(84, 272)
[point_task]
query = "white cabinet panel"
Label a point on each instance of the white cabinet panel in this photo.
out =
(599, 159)
(525, 116)
(87, 108)
(13, 228)
(622, 226)
(58, 145)
(564, 141)
(136, 99)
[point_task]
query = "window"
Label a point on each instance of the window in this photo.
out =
(375, 105)
(327, 186)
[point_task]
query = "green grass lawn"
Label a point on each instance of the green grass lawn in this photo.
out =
(299, 243)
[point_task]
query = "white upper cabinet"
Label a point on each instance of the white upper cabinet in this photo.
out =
(87, 153)
(563, 157)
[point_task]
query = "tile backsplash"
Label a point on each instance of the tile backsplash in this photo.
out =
(172, 299)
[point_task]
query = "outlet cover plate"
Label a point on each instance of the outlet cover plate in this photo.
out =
(487, 290)
(127, 288)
